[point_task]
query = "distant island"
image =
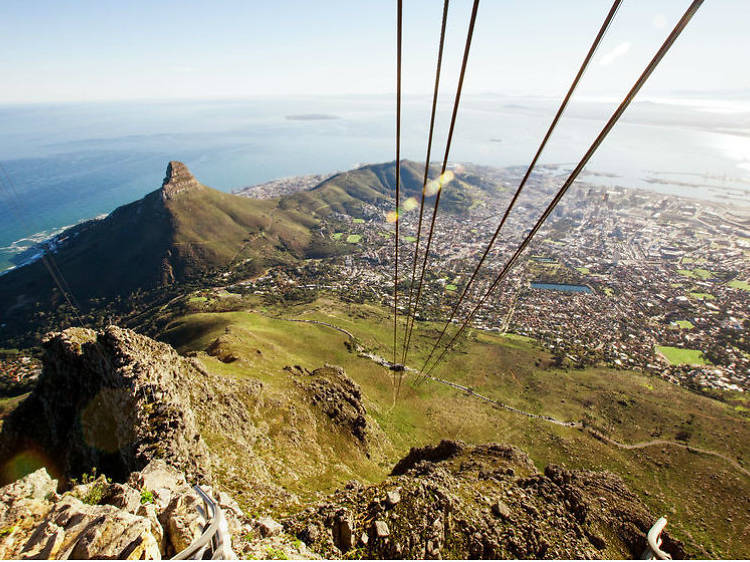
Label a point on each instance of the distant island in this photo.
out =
(311, 117)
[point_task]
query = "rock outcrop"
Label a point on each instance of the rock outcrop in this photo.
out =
(112, 400)
(489, 501)
(154, 515)
(340, 398)
(178, 180)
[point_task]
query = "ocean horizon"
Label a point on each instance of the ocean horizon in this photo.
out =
(72, 162)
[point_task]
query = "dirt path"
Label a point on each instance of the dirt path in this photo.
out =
(549, 419)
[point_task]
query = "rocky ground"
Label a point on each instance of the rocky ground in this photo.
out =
(488, 501)
(133, 409)
(154, 515)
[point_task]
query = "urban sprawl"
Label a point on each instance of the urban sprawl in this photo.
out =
(623, 277)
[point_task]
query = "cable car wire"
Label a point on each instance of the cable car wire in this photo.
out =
(47, 259)
(669, 41)
(409, 316)
(398, 169)
(592, 50)
(456, 103)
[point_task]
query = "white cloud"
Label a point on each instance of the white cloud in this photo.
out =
(617, 52)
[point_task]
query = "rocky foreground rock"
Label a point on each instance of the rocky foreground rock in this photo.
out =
(113, 400)
(155, 423)
(154, 515)
(489, 502)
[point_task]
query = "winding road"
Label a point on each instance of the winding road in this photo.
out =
(549, 419)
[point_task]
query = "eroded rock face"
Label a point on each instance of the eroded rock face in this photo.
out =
(178, 180)
(114, 400)
(489, 501)
(340, 398)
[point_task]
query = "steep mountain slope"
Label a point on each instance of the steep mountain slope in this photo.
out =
(175, 233)
(257, 341)
(185, 230)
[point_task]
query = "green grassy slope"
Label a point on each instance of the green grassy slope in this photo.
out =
(705, 498)
(213, 229)
(159, 240)
(376, 183)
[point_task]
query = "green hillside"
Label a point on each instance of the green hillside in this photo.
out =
(690, 487)
(186, 231)
(375, 184)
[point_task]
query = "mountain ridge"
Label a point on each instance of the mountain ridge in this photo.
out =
(185, 230)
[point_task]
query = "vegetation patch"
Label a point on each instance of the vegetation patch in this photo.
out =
(450, 287)
(198, 299)
(337, 235)
(147, 496)
(684, 324)
(680, 356)
(703, 296)
(410, 239)
(359, 221)
(354, 238)
(737, 284)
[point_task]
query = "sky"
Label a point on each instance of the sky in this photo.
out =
(91, 50)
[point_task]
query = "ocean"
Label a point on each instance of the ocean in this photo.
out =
(72, 162)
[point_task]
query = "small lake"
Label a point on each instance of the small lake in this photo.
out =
(562, 287)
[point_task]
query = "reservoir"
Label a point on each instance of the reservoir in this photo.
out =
(562, 287)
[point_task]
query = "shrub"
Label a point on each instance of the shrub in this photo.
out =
(147, 496)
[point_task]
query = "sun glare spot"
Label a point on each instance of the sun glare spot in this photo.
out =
(391, 216)
(410, 204)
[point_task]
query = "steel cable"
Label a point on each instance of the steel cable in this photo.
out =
(456, 104)
(668, 42)
(592, 50)
(409, 317)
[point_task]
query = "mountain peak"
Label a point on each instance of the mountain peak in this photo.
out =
(177, 180)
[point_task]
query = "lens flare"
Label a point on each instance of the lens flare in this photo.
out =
(431, 188)
(410, 204)
(391, 216)
(26, 462)
(446, 178)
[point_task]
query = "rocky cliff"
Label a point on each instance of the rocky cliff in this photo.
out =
(178, 180)
(113, 400)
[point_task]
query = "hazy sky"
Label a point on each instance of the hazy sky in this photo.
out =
(52, 50)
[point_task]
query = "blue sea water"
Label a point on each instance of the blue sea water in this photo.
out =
(71, 162)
